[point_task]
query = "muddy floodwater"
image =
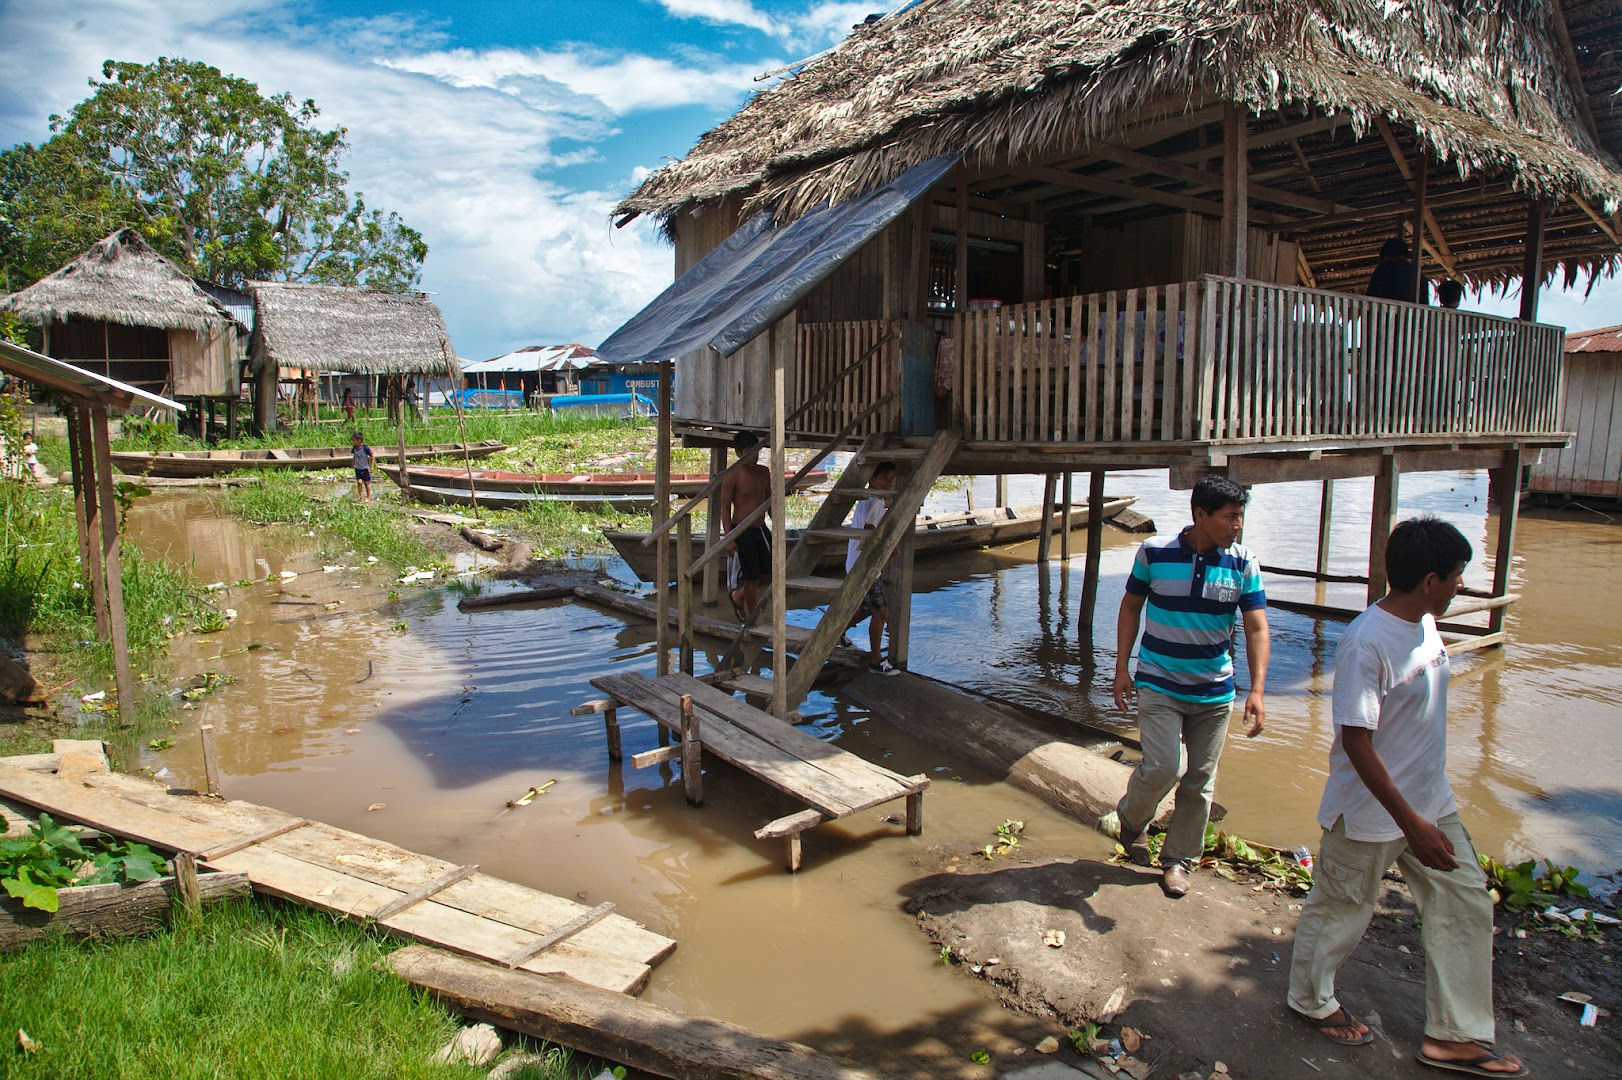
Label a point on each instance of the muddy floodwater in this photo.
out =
(345, 697)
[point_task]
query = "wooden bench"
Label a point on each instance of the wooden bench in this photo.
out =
(831, 782)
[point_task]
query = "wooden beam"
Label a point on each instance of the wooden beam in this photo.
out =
(1235, 193)
(615, 1027)
(661, 513)
(113, 563)
(235, 846)
(1568, 54)
(563, 933)
(418, 895)
(782, 344)
(1438, 247)
(960, 251)
(1326, 515)
(1418, 291)
(1065, 179)
(1506, 481)
(1176, 171)
(1095, 540)
(1604, 226)
(1532, 268)
(1383, 512)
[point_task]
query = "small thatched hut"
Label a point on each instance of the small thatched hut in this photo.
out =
(125, 312)
(301, 329)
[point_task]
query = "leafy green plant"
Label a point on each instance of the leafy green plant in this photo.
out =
(210, 621)
(1522, 888)
(1007, 839)
(980, 1057)
(1083, 1038)
(164, 743)
(207, 683)
(52, 857)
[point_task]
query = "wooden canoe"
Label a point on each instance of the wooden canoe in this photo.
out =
(933, 534)
(195, 463)
(498, 490)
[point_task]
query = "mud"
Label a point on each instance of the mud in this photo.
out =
(1205, 977)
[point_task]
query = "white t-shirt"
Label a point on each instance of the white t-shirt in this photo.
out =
(1391, 677)
(868, 513)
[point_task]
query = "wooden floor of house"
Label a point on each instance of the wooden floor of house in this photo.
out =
(831, 782)
(429, 900)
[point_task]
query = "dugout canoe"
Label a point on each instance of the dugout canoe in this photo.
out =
(499, 490)
(933, 534)
(199, 463)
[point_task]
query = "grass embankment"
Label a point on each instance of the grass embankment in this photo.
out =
(344, 525)
(43, 602)
(248, 989)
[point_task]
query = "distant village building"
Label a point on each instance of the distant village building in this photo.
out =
(1591, 467)
(123, 311)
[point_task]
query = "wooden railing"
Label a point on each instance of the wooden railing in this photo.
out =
(834, 390)
(1225, 360)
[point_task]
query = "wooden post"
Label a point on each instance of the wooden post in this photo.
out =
(1002, 490)
(89, 506)
(661, 514)
(960, 274)
(923, 221)
(1068, 494)
(1326, 514)
(901, 600)
(112, 564)
(1044, 537)
(1235, 192)
(692, 768)
(1416, 282)
(211, 759)
(611, 727)
(1506, 479)
(399, 447)
(915, 814)
(187, 896)
(684, 592)
(1532, 269)
(1095, 541)
(781, 341)
(712, 528)
(1380, 519)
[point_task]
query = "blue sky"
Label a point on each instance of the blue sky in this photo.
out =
(503, 131)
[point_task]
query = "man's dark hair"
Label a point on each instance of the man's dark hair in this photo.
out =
(1394, 249)
(1450, 293)
(883, 468)
(744, 440)
(1420, 546)
(1213, 492)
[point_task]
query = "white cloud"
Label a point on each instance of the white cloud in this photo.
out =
(722, 13)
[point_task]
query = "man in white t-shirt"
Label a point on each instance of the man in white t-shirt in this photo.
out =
(874, 607)
(1388, 800)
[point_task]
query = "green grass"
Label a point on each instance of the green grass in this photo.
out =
(247, 989)
(343, 524)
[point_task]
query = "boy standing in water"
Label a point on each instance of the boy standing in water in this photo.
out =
(874, 606)
(1388, 800)
(745, 489)
(363, 465)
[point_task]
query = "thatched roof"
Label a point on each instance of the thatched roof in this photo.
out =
(119, 280)
(336, 328)
(1516, 92)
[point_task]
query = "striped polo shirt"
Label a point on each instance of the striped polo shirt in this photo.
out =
(1192, 603)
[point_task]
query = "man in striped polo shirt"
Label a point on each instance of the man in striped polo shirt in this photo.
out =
(1193, 585)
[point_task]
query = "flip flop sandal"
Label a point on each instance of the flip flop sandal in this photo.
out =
(1346, 1020)
(738, 609)
(1470, 1066)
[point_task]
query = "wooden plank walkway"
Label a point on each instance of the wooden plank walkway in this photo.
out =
(415, 896)
(831, 782)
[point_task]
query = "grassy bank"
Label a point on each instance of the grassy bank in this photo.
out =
(249, 989)
(343, 524)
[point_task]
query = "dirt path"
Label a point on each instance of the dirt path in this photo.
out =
(1205, 977)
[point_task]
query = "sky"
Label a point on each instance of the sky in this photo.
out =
(503, 131)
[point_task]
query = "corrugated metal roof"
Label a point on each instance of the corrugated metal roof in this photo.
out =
(1606, 339)
(536, 358)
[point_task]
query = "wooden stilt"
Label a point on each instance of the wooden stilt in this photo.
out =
(83, 505)
(960, 266)
(692, 752)
(661, 513)
(1002, 490)
(88, 506)
(1507, 479)
(900, 626)
(1416, 284)
(399, 445)
(1068, 494)
(1326, 513)
(782, 346)
(684, 593)
(712, 529)
(112, 563)
(791, 852)
(915, 814)
(1044, 538)
(1095, 540)
(1235, 192)
(1383, 513)
(211, 759)
(1532, 269)
(611, 727)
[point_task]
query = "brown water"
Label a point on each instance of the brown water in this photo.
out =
(447, 719)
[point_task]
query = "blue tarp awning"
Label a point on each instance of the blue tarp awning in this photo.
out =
(760, 272)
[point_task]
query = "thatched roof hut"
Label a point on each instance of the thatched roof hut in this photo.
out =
(1507, 99)
(120, 280)
(336, 328)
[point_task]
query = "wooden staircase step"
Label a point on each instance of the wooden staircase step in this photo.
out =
(858, 494)
(832, 534)
(896, 453)
(749, 683)
(816, 584)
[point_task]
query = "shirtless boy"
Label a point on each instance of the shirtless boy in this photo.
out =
(745, 489)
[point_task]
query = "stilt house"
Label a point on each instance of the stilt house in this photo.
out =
(334, 328)
(124, 312)
(1591, 467)
(999, 236)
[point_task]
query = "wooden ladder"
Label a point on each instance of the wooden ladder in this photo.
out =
(917, 467)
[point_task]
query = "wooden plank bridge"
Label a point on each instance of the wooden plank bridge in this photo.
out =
(429, 900)
(831, 782)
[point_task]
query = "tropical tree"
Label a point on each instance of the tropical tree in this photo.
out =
(230, 183)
